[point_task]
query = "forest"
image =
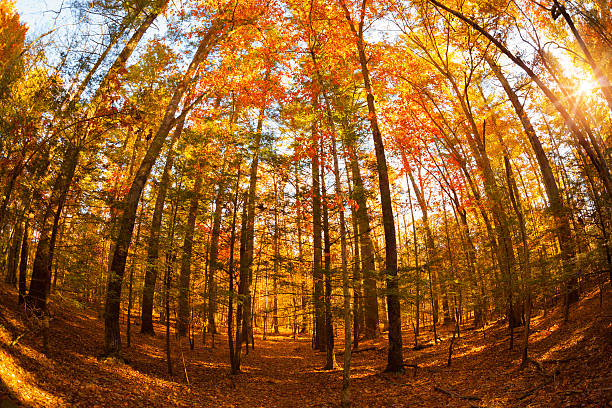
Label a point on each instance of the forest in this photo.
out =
(291, 203)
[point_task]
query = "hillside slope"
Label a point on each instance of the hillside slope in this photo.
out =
(575, 360)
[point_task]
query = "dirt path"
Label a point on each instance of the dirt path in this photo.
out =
(285, 372)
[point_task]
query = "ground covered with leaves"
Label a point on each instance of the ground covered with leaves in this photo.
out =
(574, 366)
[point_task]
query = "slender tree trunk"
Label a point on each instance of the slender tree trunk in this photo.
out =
(525, 259)
(213, 258)
(148, 291)
(330, 361)
(112, 339)
(358, 315)
(432, 256)
(558, 210)
(304, 321)
(248, 236)
(395, 360)
(13, 254)
(23, 262)
(170, 260)
(346, 373)
(276, 260)
(241, 283)
(368, 268)
(235, 366)
(417, 268)
(317, 271)
(40, 283)
(185, 275)
(128, 330)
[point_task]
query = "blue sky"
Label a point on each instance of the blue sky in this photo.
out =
(37, 13)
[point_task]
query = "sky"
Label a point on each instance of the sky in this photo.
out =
(38, 13)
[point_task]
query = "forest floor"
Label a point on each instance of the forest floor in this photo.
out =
(575, 366)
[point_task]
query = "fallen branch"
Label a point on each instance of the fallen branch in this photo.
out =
(17, 339)
(355, 351)
(456, 395)
(534, 389)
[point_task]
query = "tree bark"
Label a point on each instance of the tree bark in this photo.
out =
(558, 209)
(235, 367)
(148, 291)
(317, 271)
(23, 262)
(395, 359)
(40, 283)
(330, 360)
(185, 275)
(128, 330)
(346, 372)
(112, 339)
(276, 261)
(13, 254)
(248, 236)
(213, 258)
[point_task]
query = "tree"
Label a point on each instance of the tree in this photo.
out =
(395, 361)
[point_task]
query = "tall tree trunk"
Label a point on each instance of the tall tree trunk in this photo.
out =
(276, 260)
(170, 259)
(525, 261)
(330, 361)
(235, 367)
(112, 339)
(432, 256)
(148, 291)
(248, 235)
(23, 262)
(13, 254)
(346, 372)
(591, 150)
(368, 268)
(304, 320)
(558, 210)
(40, 283)
(185, 275)
(241, 284)
(395, 359)
(128, 330)
(213, 258)
(358, 315)
(417, 268)
(317, 271)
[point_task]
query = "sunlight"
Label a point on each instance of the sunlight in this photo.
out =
(22, 384)
(471, 350)
(542, 334)
(585, 87)
(576, 337)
